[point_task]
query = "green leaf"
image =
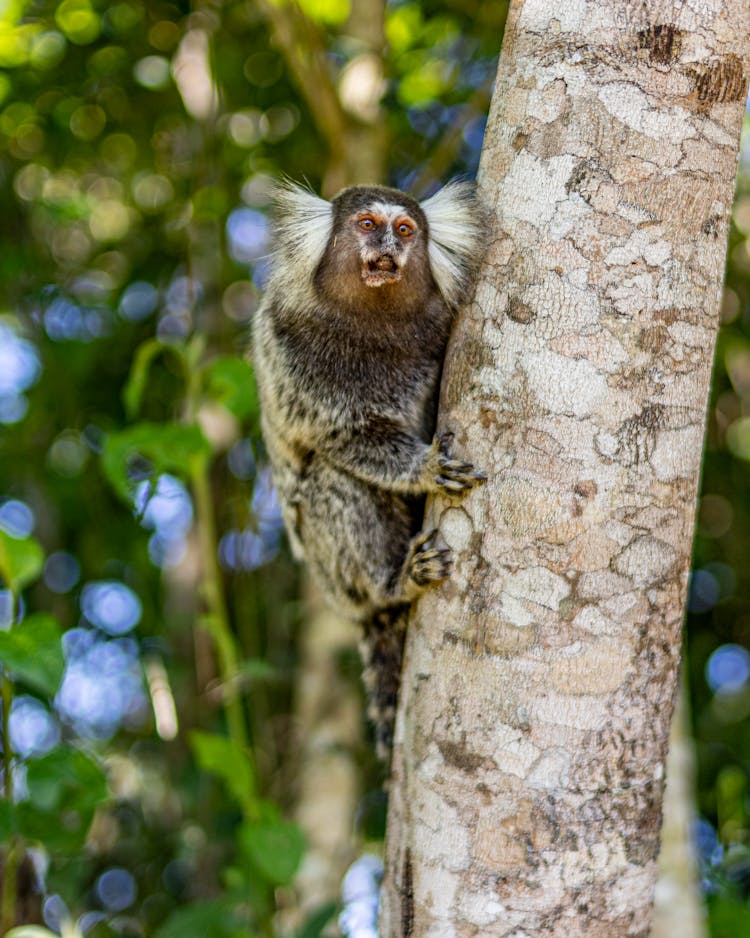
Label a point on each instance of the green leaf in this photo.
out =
(257, 669)
(229, 762)
(62, 831)
(65, 787)
(66, 778)
(329, 12)
(168, 447)
(132, 394)
(215, 917)
(32, 650)
(230, 381)
(8, 821)
(274, 848)
(21, 561)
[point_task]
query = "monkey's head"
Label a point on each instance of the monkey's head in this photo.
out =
(376, 247)
(377, 235)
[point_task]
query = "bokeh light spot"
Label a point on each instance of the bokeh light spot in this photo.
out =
(728, 668)
(116, 889)
(152, 72)
(247, 231)
(705, 591)
(103, 686)
(19, 363)
(33, 730)
(16, 518)
(111, 606)
(138, 301)
(61, 571)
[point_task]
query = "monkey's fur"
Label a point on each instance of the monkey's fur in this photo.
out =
(348, 350)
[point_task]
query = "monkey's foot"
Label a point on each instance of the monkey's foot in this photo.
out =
(453, 475)
(426, 563)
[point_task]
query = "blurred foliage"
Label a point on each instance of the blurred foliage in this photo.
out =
(718, 660)
(148, 648)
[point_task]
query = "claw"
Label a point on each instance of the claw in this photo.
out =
(444, 441)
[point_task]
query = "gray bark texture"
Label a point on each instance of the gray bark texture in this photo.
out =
(539, 680)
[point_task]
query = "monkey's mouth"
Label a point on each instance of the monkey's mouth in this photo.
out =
(380, 271)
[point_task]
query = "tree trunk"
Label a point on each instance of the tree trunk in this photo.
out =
(539, 682)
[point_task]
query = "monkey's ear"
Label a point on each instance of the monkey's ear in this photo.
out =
(456, 223)
(303, 226)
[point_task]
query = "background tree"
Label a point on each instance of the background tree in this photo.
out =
(137, 142)
(539, 683)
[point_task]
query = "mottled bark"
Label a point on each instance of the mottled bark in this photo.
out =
(539, 681)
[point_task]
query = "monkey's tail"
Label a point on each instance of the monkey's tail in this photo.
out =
(382, 650)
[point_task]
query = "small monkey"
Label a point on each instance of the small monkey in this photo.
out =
(348, 349)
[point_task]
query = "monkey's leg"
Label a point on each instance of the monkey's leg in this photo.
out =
(358, 540)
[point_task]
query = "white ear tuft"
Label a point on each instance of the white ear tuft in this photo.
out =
(303, 227)
(455, 223)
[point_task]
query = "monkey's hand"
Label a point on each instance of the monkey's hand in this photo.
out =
(447, 474)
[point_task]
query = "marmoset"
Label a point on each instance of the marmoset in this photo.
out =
(348, 349)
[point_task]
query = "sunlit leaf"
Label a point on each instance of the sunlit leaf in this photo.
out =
(274, 848)
(32, 651)
(425, 83)
(230, 381)
(329, 12)
(21, 561)
(168, 447)
(224, 758)
(402, 26)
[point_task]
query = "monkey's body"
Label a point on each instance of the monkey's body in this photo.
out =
(348, 348)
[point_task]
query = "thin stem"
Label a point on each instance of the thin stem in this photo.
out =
(212, 586)
(10, 867)
(7, 694)
(213, 592)
(10, 876)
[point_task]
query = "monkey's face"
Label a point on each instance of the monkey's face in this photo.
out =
(385, 235)
(376, 258)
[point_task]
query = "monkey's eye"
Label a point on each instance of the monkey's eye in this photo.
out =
(367, 224)
(404, 230)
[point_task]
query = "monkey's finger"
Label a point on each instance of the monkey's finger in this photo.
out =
(455, 465)
(451, 485)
